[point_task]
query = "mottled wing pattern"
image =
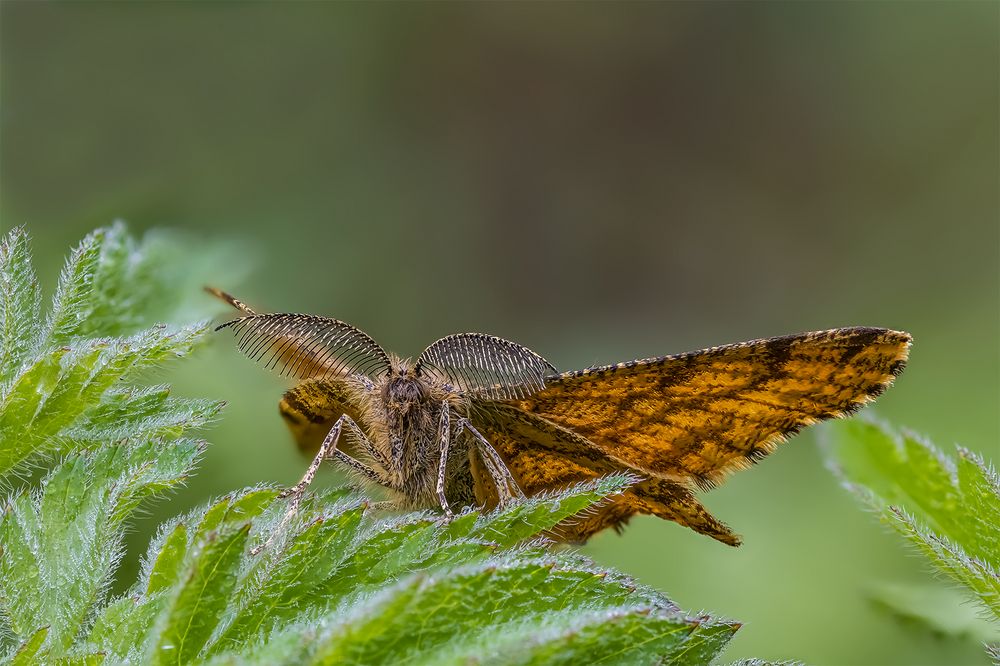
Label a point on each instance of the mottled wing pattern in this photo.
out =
(486, 366)
(542, 455)
(310, 408)
(701, 415)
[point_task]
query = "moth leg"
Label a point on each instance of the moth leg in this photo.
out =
(507, 488)
(444, 439)
(328, 449)
(358, 466)
(373, 451)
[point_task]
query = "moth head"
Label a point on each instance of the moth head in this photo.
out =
(404, 391)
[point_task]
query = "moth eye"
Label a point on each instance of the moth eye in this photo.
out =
(418, 371)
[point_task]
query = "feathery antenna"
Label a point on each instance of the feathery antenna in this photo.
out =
(307, 346)
(487, 366)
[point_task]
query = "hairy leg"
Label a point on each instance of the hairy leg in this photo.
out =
(444, 439)
(507, 488)
(328, 449)
(376, 454)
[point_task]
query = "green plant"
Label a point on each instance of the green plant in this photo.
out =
(949, 510)
(337, 585)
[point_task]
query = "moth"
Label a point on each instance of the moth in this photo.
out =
(479, 420)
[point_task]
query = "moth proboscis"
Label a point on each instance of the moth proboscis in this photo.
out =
(479, 420)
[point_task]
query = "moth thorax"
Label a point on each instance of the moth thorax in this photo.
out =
(411, 418)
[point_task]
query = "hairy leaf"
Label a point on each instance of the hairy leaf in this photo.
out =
(60, 380)
(61, 392)
(944, 611)
(949, 509)
(286, 585)
(195, 607)
(545, 511)
(29, 650)
(20, 299)
(66, 537)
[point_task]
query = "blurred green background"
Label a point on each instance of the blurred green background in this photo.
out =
(598, 181)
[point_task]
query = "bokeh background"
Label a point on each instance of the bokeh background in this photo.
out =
(598, 181)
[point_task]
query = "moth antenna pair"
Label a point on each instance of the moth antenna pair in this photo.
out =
(475, 363)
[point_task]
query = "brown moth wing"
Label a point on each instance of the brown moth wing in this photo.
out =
(542, 455)
(310, 410)
(702, 415)
(657, 497)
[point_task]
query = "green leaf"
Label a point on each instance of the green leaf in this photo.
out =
(945, 611)
(29, 650)
(110, 283)
(545, 511)
(949, 509)
(340, 587)
(291, 647)
(123, 284)
(95, 659)
(632, 636)
(61, 543)
(290, 582)
(123, 624)
(74, 300)
(236, 508)
(19, 405)
(167, 565)
(518, 613)
(20, 298)
(705, 642)
(60, 380)
(197, 604)
(172, 549)
(49, 404)
(141, 412)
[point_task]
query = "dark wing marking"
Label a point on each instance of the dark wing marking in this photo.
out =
(310, 409)
(486, 366)
(656, 497)
(307, 346)
(701, 415)
(542, 455)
